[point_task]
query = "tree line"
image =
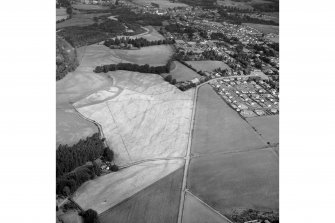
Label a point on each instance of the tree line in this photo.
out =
(134, 67)
(138, 42)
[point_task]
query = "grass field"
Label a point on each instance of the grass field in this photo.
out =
(267, 126)
(234, 181)
(162, 3)
(89, 7)
(264, 28)
(207, 65)
(97, 55)
(61, 14)
(151, 34)
(79, 19)
(70, 127)
(157, 203)
(182, 73)
(218, 128)
(107, 191)
(127, 117)
(197, 212)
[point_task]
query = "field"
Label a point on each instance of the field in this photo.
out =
(157, 203)
(150, 34)
(70, 127)
(107, 191)
(264, 28)
(61, 14)
(248, 4)
(234, 181)
(197, 212)
(208, 65)
(127, 111)
(71, 217)
(182, 73)
(267, 126)
(97, 55)
(79, 19)
(89, 7)
(218, 128)
(163, 4)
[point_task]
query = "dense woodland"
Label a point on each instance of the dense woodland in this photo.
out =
(71, 163)
(138, 42)
(133, 67)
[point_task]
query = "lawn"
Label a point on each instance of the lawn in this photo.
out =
(264, 28)
(70, 127)
(127, 112)
(234, 181)
(158, 202)
(109, 190)
(208, 65)
(80, 19)
(197, 212)
(218, 128)
(182, 73)
(267, 126)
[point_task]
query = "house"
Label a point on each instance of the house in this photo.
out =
(195, 81)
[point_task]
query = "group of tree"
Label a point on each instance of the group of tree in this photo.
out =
(138, 42)
(66, 61)
(223, 37)
(250, 214)
(90, 216)
(236, 9)
(169, 79)
(262, 49)
(133, 67)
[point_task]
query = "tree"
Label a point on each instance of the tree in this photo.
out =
(168, 78)
(173, 81)
(114, 168)
(108, 154)
(69, 11)
(90, 216)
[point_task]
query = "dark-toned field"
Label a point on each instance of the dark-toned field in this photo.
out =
(234, 181)
(157, 203)
(197, 212)
(218, 128)
(267, 126)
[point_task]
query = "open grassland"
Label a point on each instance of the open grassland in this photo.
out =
(158, 202)
(197, 212)
(163, 4)
(70, 127)
(229, 182)
(107, 191)
(182, 73)
(61, 14)
(127, 113)
(218, 128)
(97, 55)
(208, 65)
(264, 28)
(80, 19)
(267, 127)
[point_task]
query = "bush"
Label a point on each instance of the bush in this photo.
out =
(114, 168)
(108, 154)
(90, 216)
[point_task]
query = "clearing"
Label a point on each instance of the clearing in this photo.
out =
(233, 181)
(267, 126)
(218, 128)
(182, 73)
(70, 127)
(127, 113)
(157, 203)
(107, 191)
(208, 65)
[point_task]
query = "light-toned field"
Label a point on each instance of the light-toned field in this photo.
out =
(182, 73)
(97, 55)
(208, 65)
(264, 28)
(79, 19)
(197, 212)
(157, 203)
(233, 181)
(61, 14)
(218, 128)
(127, 117)
(105, 192)
(267, 126)
(70, 127)
(163, 4)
